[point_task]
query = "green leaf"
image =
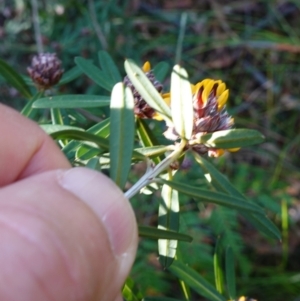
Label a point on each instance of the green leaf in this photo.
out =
(100, 129)
(154, 233)
(80, 135)
(72, 101)
(14, 79)
(70, 75)
(94, 73)
(230, 273)
(87, 152)
(214, 197)
(195, 281)
(181, 102)
(160, 299)
(109, 66)
(130, 292)
(220, 182)
(146, 89)
(28, 108)
(146, 137)
(52, 128)
(56, 116)
(168, 219)
(231, 138)
(263, 224)
(218, 268)
(93, 164)
(161, 70)
(153, 151)
(121, 133)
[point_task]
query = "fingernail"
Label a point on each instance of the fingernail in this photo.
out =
(107, 202)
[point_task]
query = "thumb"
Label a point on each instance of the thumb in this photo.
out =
(65, 235)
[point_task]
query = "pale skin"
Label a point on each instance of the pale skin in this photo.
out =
(65, 233)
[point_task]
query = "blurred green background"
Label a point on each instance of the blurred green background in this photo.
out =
(254, 47)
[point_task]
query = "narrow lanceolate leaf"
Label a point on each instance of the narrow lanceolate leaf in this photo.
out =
(28, 110)
(195, 281)
(52, 128)
(230, 273)
(100, 129)
(146, 89)
(168, 219)
(109, 67)
(146, 137)
(153, 151)
(70, 75)
(161, 299)
(14, 79)
(232, 138)
(218, 267)
(154, 233)
(214, 197)
(161, 70)
(181, 102)
(82, 136)
(72, 101)
(220, 182)
(94, 73)
(121, 137)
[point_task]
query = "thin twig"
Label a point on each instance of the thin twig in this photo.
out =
(152, 172)
(96, 25)
(36, 26)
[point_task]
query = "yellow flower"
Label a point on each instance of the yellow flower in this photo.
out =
(146, 67)
(210, 87)
(209, 103)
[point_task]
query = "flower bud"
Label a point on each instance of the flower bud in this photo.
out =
(45, 70)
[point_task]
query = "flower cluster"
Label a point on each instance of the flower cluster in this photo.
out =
(209, 104)
(45, 70)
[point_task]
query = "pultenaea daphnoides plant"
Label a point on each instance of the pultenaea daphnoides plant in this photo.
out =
(189, 118)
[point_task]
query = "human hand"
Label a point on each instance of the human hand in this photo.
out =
(65, 234)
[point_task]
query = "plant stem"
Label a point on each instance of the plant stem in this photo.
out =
(36, 26)
(152, 172)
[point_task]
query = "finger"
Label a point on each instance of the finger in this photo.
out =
(65, 235)
(25, 148)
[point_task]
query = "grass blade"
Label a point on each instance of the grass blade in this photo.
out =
(218, 268)
(195, 281)
(230, 273)
(122, 130)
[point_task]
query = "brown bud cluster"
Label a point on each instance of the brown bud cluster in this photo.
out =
(141, 108)
(45, 70)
